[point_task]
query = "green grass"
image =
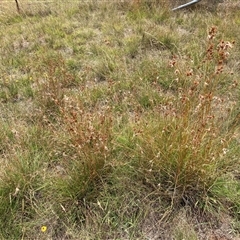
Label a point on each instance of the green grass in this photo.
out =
(119, 121)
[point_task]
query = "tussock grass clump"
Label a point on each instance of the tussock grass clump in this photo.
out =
(52, 84)
(182, 148)
(23, 181)
(89, 143)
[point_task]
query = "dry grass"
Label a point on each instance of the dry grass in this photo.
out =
(119, 121)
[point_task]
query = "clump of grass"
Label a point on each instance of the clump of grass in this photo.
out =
(19, 185)
(182, 147)
(13, 90)
(87, 145)
(55, 78)
(22, 181)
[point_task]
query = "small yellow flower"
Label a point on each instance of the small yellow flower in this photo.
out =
(43, 228)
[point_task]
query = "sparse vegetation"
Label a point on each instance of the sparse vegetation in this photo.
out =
(119, 121)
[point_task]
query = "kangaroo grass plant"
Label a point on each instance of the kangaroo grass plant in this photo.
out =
(90, 136)
(182, 148)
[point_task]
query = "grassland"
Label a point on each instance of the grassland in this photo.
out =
(119, 121)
